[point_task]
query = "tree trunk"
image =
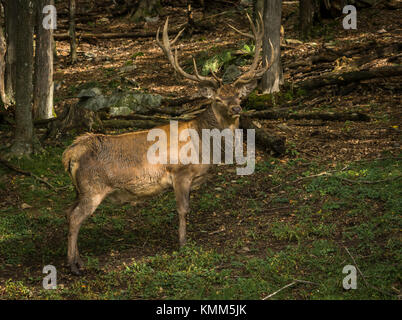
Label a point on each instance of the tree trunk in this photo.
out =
(23, 139)
(44, 88)
(10, 12)
(306, 15)
(146, 8)
(272, 22)
(258, 7)
(72, 33)
(3, 49)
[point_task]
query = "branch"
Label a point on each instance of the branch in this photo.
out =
(295, 281)
(26, 173)
(326, 116)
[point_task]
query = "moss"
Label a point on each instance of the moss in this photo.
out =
(259, 101)
(265, 101)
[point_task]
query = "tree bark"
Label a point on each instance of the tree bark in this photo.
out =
(258, 7)
(23, 139)
(10, 12)
(3, 50)
(146, 8)
(44, 88)
(272, 23)
(72, 33)
(306, 15)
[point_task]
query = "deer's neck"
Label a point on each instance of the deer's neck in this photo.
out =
(209, 119)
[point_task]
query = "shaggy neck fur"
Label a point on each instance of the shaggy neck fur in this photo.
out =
(210, 119)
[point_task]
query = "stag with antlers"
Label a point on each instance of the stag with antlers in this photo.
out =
(118, 166)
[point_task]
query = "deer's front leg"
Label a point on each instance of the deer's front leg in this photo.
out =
(182, 185)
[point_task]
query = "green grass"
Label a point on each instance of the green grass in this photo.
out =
(298, 231)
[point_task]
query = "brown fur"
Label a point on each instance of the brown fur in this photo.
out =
(117, 166)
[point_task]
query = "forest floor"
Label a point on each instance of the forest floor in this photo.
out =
(333, 199)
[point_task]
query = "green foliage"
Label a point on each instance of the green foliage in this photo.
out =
(222, 59)
(215, 63)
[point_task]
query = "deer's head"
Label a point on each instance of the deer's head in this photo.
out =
(226, 97)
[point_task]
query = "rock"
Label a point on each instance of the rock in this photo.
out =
(94, 104)
(120, 103)
(89, 93)
(137, 102)
(120, 111)
(92, 99)
(232, 73)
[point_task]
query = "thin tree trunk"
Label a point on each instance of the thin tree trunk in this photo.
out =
(44, 88)
(3, 49)
(72, 33)
(258, 7)
(146, 8)
(306, 14)
(23, 139)
(272, 23)
(10, 12)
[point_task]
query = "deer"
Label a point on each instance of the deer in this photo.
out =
(116, 166)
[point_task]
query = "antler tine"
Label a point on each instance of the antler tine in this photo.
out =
(240, 32)
(196, 70)
(217, 78)
(260, 24)
(255, 70)
(259, 72)
(173, 58)
(202, 78)
(177, 37)
(252, 25)
(257, 36)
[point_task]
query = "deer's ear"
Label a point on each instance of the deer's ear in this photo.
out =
(246, 89)
(207, 92)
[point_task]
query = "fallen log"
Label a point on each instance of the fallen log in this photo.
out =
(121, 124)
(263, 138)
(111, 35)
(348, 77)
(327, 116)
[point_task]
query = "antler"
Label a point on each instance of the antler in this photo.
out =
(255, 70)
(173, 59)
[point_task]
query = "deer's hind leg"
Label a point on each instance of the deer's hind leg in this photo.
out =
(82, 209)
(181, 186)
